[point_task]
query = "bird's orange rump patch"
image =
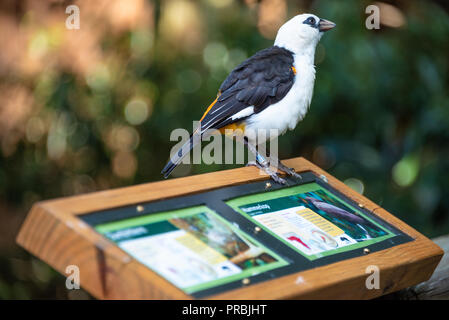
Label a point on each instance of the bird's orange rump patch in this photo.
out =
(294, 70)
(230, 129)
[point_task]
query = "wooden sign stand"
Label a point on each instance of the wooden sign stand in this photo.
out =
(55, 234)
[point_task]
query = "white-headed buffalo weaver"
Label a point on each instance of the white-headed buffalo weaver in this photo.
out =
(270, 90)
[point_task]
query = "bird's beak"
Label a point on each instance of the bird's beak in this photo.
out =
(325, 25)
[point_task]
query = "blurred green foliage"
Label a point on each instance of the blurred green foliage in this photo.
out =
(92, 109)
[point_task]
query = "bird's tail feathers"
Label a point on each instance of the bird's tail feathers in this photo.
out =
(177, 157)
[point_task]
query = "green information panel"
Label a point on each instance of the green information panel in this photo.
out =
(311, 220)
(193, 248)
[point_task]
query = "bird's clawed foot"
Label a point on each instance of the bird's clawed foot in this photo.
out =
(287, 170)
(268, 171)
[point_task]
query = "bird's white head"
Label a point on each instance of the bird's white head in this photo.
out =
(302, 33)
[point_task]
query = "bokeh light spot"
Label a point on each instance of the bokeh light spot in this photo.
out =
(390, 15)
(234, 58)
(35, 129)
(181, 24)
(355, 184)
(38, 45)
(220, 3)
(136, 111)
(324, 157)
(123, 138)
(272, 14)
(406, 171)
(214, 54)
(188, 81)
(99, 78)
(124, 164)
(141, 42)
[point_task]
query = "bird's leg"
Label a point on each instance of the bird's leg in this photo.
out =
(276, 163)
(262, 163)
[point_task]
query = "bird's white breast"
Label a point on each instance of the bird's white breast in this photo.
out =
(286, 113)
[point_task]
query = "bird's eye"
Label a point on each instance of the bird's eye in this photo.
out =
(311, 20)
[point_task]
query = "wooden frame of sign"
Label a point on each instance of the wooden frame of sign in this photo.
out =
(54, 232)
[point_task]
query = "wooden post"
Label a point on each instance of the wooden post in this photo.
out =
(54, 233)
(437, 287)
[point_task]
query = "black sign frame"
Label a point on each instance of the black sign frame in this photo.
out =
(216, 200)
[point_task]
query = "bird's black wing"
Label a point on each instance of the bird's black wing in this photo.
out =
(261, 80)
